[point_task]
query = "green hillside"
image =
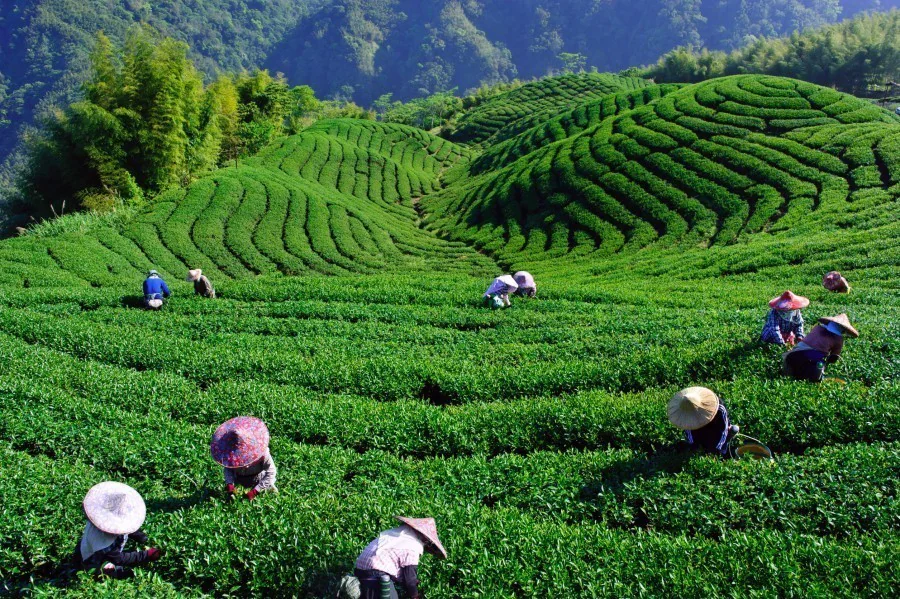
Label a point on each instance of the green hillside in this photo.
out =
(708, 164)
(350, 261)
(517, 110)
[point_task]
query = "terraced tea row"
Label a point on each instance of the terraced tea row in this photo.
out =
(335, 199)
(710, 163)
(518, 110)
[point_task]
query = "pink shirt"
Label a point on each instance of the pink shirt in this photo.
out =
(821, 339)
(392, 550)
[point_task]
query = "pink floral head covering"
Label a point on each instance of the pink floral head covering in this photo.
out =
(239, 442)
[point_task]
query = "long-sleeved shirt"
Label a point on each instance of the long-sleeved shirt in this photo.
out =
(499, 287)
(97, 547)
(392, 551)
(823, 340)
(203, 287)
(155, 288)
(777, 329)
(712, 437)
(259, 475)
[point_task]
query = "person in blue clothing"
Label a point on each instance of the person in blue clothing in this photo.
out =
(155, 291)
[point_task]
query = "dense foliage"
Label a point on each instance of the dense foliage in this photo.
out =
(664, 217)
(362, 50)
(859, 56)
(147, 123)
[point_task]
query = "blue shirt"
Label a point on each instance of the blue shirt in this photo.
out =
(155, 288)
(777, 328)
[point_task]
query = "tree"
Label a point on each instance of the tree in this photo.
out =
(572, 62)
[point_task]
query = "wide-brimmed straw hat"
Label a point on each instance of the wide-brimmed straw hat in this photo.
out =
(789, 301)
(508, 280)
(843, 322)
(833, 281)
(239, 442)
(428, 529)
(693, 408)
(114, 508)
(194, 275)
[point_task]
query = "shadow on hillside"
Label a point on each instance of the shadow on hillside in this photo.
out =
(133, 301)
(616, 479)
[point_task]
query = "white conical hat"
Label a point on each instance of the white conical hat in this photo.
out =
(693, 408)
(194, 275)
(508, 280)
(115, 508)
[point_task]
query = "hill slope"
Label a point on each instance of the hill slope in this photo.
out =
(335, 199)
(707, 164)
(536, 435)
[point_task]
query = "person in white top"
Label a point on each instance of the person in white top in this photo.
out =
(500, 288)
(527, 286)
(392, 559)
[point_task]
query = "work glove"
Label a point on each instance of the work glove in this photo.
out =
(153, 554)
(229, 491)
(251, 494)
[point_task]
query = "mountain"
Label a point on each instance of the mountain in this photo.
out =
(364, 49)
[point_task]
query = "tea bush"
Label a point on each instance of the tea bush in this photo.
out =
(350, 262)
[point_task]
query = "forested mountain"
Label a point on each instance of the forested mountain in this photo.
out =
(366, 48)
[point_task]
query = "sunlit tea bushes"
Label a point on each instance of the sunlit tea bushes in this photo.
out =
(350, 262)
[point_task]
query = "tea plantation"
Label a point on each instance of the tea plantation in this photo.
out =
(350, 261)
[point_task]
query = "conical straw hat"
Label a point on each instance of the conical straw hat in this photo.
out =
(508, 280)
(194, 275)
(789, 301)
(114, 508)
(239, 442)
(833, 281)
(843, 321)
(428, 529)
(693, 408)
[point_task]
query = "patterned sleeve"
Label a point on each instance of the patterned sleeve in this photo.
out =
(799, 329)
(722, 445)
(267, 476)
(771, 332)
(229, 476)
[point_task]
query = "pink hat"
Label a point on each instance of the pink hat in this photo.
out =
(428, 529)
(239, 442)
(789, 301)
(833, 281)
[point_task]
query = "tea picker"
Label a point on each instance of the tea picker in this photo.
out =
(702, 416)
(202, 285)
(500, 289)
(114, 513)
(392, 560)
(833, 281)
(241, 447)
(155, 291)
(823, 345)
(784, 324)
(527, 286)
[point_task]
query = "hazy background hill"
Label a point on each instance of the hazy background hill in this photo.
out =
(363, 49)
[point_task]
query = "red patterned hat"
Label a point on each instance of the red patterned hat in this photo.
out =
(239, 442)
(833, 281)
(428, 529)
(789, 301)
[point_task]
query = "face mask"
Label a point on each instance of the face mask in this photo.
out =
(789, 315)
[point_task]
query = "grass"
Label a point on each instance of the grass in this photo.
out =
(349, 263)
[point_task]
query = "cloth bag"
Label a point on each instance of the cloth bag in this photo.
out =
(154, 304)
(349, 588)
